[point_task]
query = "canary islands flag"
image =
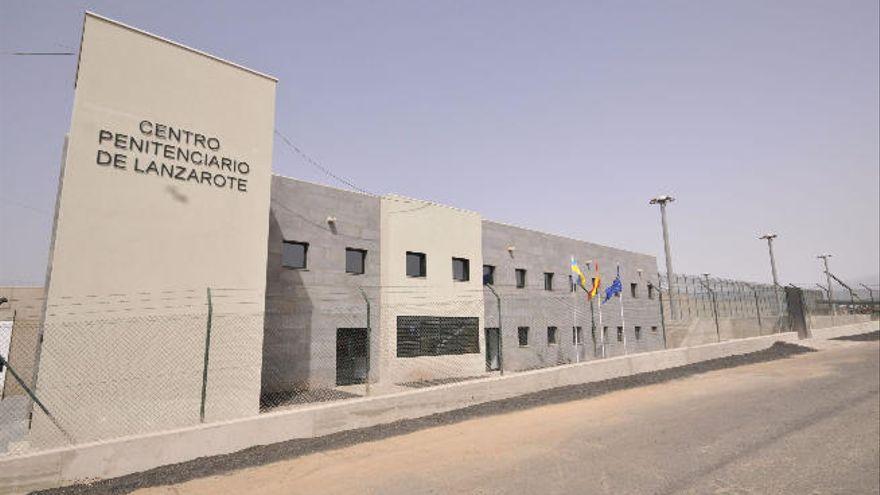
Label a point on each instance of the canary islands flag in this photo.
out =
(575, 269)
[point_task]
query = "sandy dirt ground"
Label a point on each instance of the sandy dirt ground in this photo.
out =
(807, 424)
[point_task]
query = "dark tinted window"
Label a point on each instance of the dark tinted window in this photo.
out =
(620, 334)
(650, 291)
(488, 274)
(461, 269)
(520, 278)
(415, 264)
(548, 281)
(437, 335)
(634, 290)
(294, 254)
(551, 335)
(354, 260)
(638, 333)
(522, 334)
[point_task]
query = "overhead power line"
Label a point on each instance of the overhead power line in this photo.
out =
(317, 165)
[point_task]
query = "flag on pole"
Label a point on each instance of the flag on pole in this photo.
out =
(597, 281)
(582, 280)
(615, 288)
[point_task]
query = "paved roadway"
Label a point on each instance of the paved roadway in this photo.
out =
(808, 424)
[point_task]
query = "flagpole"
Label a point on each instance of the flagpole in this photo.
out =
(601, 328)
(622, 320)
(577, 355)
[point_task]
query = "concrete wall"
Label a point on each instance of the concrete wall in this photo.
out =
(699, 331)
(25, 307)
(133, 252)
(441, 232)
(304, 307)
(536, 308)
(826, 321)
(128, 455)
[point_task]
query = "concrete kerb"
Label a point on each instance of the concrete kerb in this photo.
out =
(121, 456)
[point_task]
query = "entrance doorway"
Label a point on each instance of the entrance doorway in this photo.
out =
(352, 356)
(493, 349)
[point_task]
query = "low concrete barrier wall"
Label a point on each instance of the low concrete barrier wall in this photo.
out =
(121, 456)
(827, 321)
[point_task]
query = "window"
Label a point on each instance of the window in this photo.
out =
(551, 335)
(654, 329)
(634, 290)
(461, 269)
(355, 260)
(638, 333)
(571, 286)
(620, 334)
(548, 281)
(650, 291)
(604, 334)
(437, 336)
(488, 274)
(577, 335)
(294, 254)
(415, 264)
(523, 335)
(520, 278)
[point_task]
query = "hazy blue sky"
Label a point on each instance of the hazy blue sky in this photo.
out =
(561, 116)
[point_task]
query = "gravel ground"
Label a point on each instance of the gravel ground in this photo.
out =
(862, 337)
(260, 455)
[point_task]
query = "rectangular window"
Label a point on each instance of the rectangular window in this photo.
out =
(355, 260)
(522, 334)
(416, 265)
(294, 254)
(461, 269)
(604, 334)
(650, 291)
(488, 274)
(577, 335)
(638, 333)
(551, 335)
(634, 290)
(620, 334)
(548, 281)
(520, 278)
(571, 285)
(437, 335)
(654, 329)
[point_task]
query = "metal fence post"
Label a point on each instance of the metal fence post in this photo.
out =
(207, 355)
(758, 311)
(369, 341)
(500, 331)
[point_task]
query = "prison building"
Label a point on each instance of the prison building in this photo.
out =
(410, 290)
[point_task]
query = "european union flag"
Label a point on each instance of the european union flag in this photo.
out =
(615, 288)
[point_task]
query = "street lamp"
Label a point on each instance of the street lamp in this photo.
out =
(662, 200)
(824, 258)
(769, 237)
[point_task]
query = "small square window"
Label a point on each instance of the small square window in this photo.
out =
(523, 336)
(294, 254)
(461, 269)
(620, 334)
(548, 281)
(355, 260)
(488, 274)
(638, 331)
(551, 335)
(416, 265)
(650, 291)
(653, 329)
(634, 290)
(520, 278)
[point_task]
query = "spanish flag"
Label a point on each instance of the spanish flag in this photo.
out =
(597, 281)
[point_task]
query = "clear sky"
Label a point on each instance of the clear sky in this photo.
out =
(565, 117)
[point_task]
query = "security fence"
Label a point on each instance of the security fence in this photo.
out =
(108, 366)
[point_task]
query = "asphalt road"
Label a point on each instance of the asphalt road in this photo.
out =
(805, 424)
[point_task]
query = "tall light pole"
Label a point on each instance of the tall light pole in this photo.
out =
(770, 238)
(870, 294)
(824, 258)
(662, 200)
